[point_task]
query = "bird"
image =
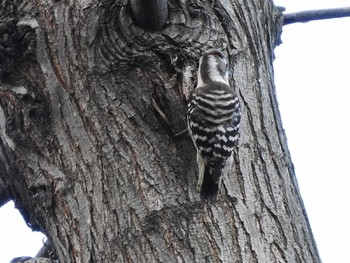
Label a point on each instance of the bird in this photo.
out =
(213, 119)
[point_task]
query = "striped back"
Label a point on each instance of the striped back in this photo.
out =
(213, 120)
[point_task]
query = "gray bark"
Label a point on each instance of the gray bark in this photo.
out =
(91, 163)
(4, 196)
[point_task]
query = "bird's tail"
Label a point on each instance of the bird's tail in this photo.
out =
(211, 184)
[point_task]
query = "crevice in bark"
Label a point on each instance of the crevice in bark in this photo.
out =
(247, 240)
(151, 15)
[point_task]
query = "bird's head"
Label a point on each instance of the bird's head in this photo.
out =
(213, 67)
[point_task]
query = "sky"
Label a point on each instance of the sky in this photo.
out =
(312, 70)
(312, 77)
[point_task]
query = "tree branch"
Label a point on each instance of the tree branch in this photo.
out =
(310, 15)
(150, 14)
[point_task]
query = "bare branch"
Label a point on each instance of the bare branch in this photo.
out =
(151, 14)
(310, 15)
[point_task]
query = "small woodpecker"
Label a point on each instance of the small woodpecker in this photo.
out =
(213, 118)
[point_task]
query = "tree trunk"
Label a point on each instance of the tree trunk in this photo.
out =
(90, 108)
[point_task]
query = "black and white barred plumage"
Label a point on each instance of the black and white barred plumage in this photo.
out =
(213, 120)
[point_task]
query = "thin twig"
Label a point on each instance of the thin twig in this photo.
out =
(306, 16)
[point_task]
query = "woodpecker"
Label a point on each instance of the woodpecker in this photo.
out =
(213, 118)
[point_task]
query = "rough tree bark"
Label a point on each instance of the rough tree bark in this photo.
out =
(90, 162)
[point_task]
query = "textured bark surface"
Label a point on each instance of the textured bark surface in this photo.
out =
(90, 161)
